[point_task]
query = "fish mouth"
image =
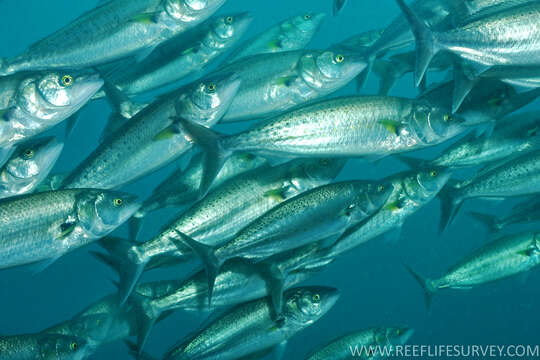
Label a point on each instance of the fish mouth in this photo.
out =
(132, 205)
(229, 85)
(88, 88)
(244, 21)
(318, 19)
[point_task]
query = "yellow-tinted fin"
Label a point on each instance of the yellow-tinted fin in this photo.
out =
(393, 206)
(274, 45)
(188, 51)
(391, 125)
(275, 194)
(66, 229)
(147, 18)
(285, 80)
(166, 134)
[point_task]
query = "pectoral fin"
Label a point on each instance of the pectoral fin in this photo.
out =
(391, 125)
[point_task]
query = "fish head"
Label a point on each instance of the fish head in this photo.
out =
(425, 184)
(53, 96)
(63, 347)
(303, 306)
(230, 28)
(330, 70)
(370, 197)
(309, 22)
(100, 211)
(434, 124)
(34, 159)
(307, 173)
(397, 335)
(92, 328)
(191, 10)
(209, 99)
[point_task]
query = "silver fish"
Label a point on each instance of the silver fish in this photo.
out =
(411, 191)
(511, 136)
(323, 213)
(111, 31)
(292, 34)
(33, 103)
(501, 258)
(274, 83)
(223, 212)
(182, 186)
(506, 37)
(29, 166)
(363, 343)
(43, 347)
(180, 57)
(342, 127)
(525, 212)
(250, 328)
(514, 177)
(44, 226)
(152, 138)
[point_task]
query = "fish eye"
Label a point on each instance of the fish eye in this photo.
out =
(339, 58)
(118, 202)
(380, 188)
(73, 346)
(67, 80)
(229, 19)
(307, 16)
(28, 154)
(433, 173)
(447, 117)
(324, 162)
(211, 87)
(316, 297)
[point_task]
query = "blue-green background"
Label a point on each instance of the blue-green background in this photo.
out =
(376, 290)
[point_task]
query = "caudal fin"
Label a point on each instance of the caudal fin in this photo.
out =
(412, 163)
(491, 222)
(463, 85)
(208, 257)
(146, 316)
(135, 224)
(386, 72)
(215, 154)
(426, 284)
(338, 5)
(426, 43)
(133, 350)
(124, 260)
(275, 285)
(450, 205)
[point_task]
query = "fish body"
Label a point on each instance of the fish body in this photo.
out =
(525, 212)
(250, 328)
(274, 83)
(368, 340)
(32, 103)
(44, 226)
(349, 126)
(410, 192)
(178, 57)
(182, 186)
(292, 34)
(151, 139)
(111, 31)
(501, 258)
(29, 166)
(43, 347)
(515, 177)
(511, 136)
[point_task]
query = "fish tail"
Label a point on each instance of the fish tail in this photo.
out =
(134, 351)
(426, 284)
(362, 77)
(426, 44)
(386, 71)
(215, 154)
(338, 5)
(463, 85)
(491, 222)
(208, 256)
(124, 259)
(517, 101)
(450, 205)
(146, 316)
(135, 224)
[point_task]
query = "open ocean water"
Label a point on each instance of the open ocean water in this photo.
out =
(376, 289)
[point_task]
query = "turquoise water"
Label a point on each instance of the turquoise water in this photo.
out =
(376, 289)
